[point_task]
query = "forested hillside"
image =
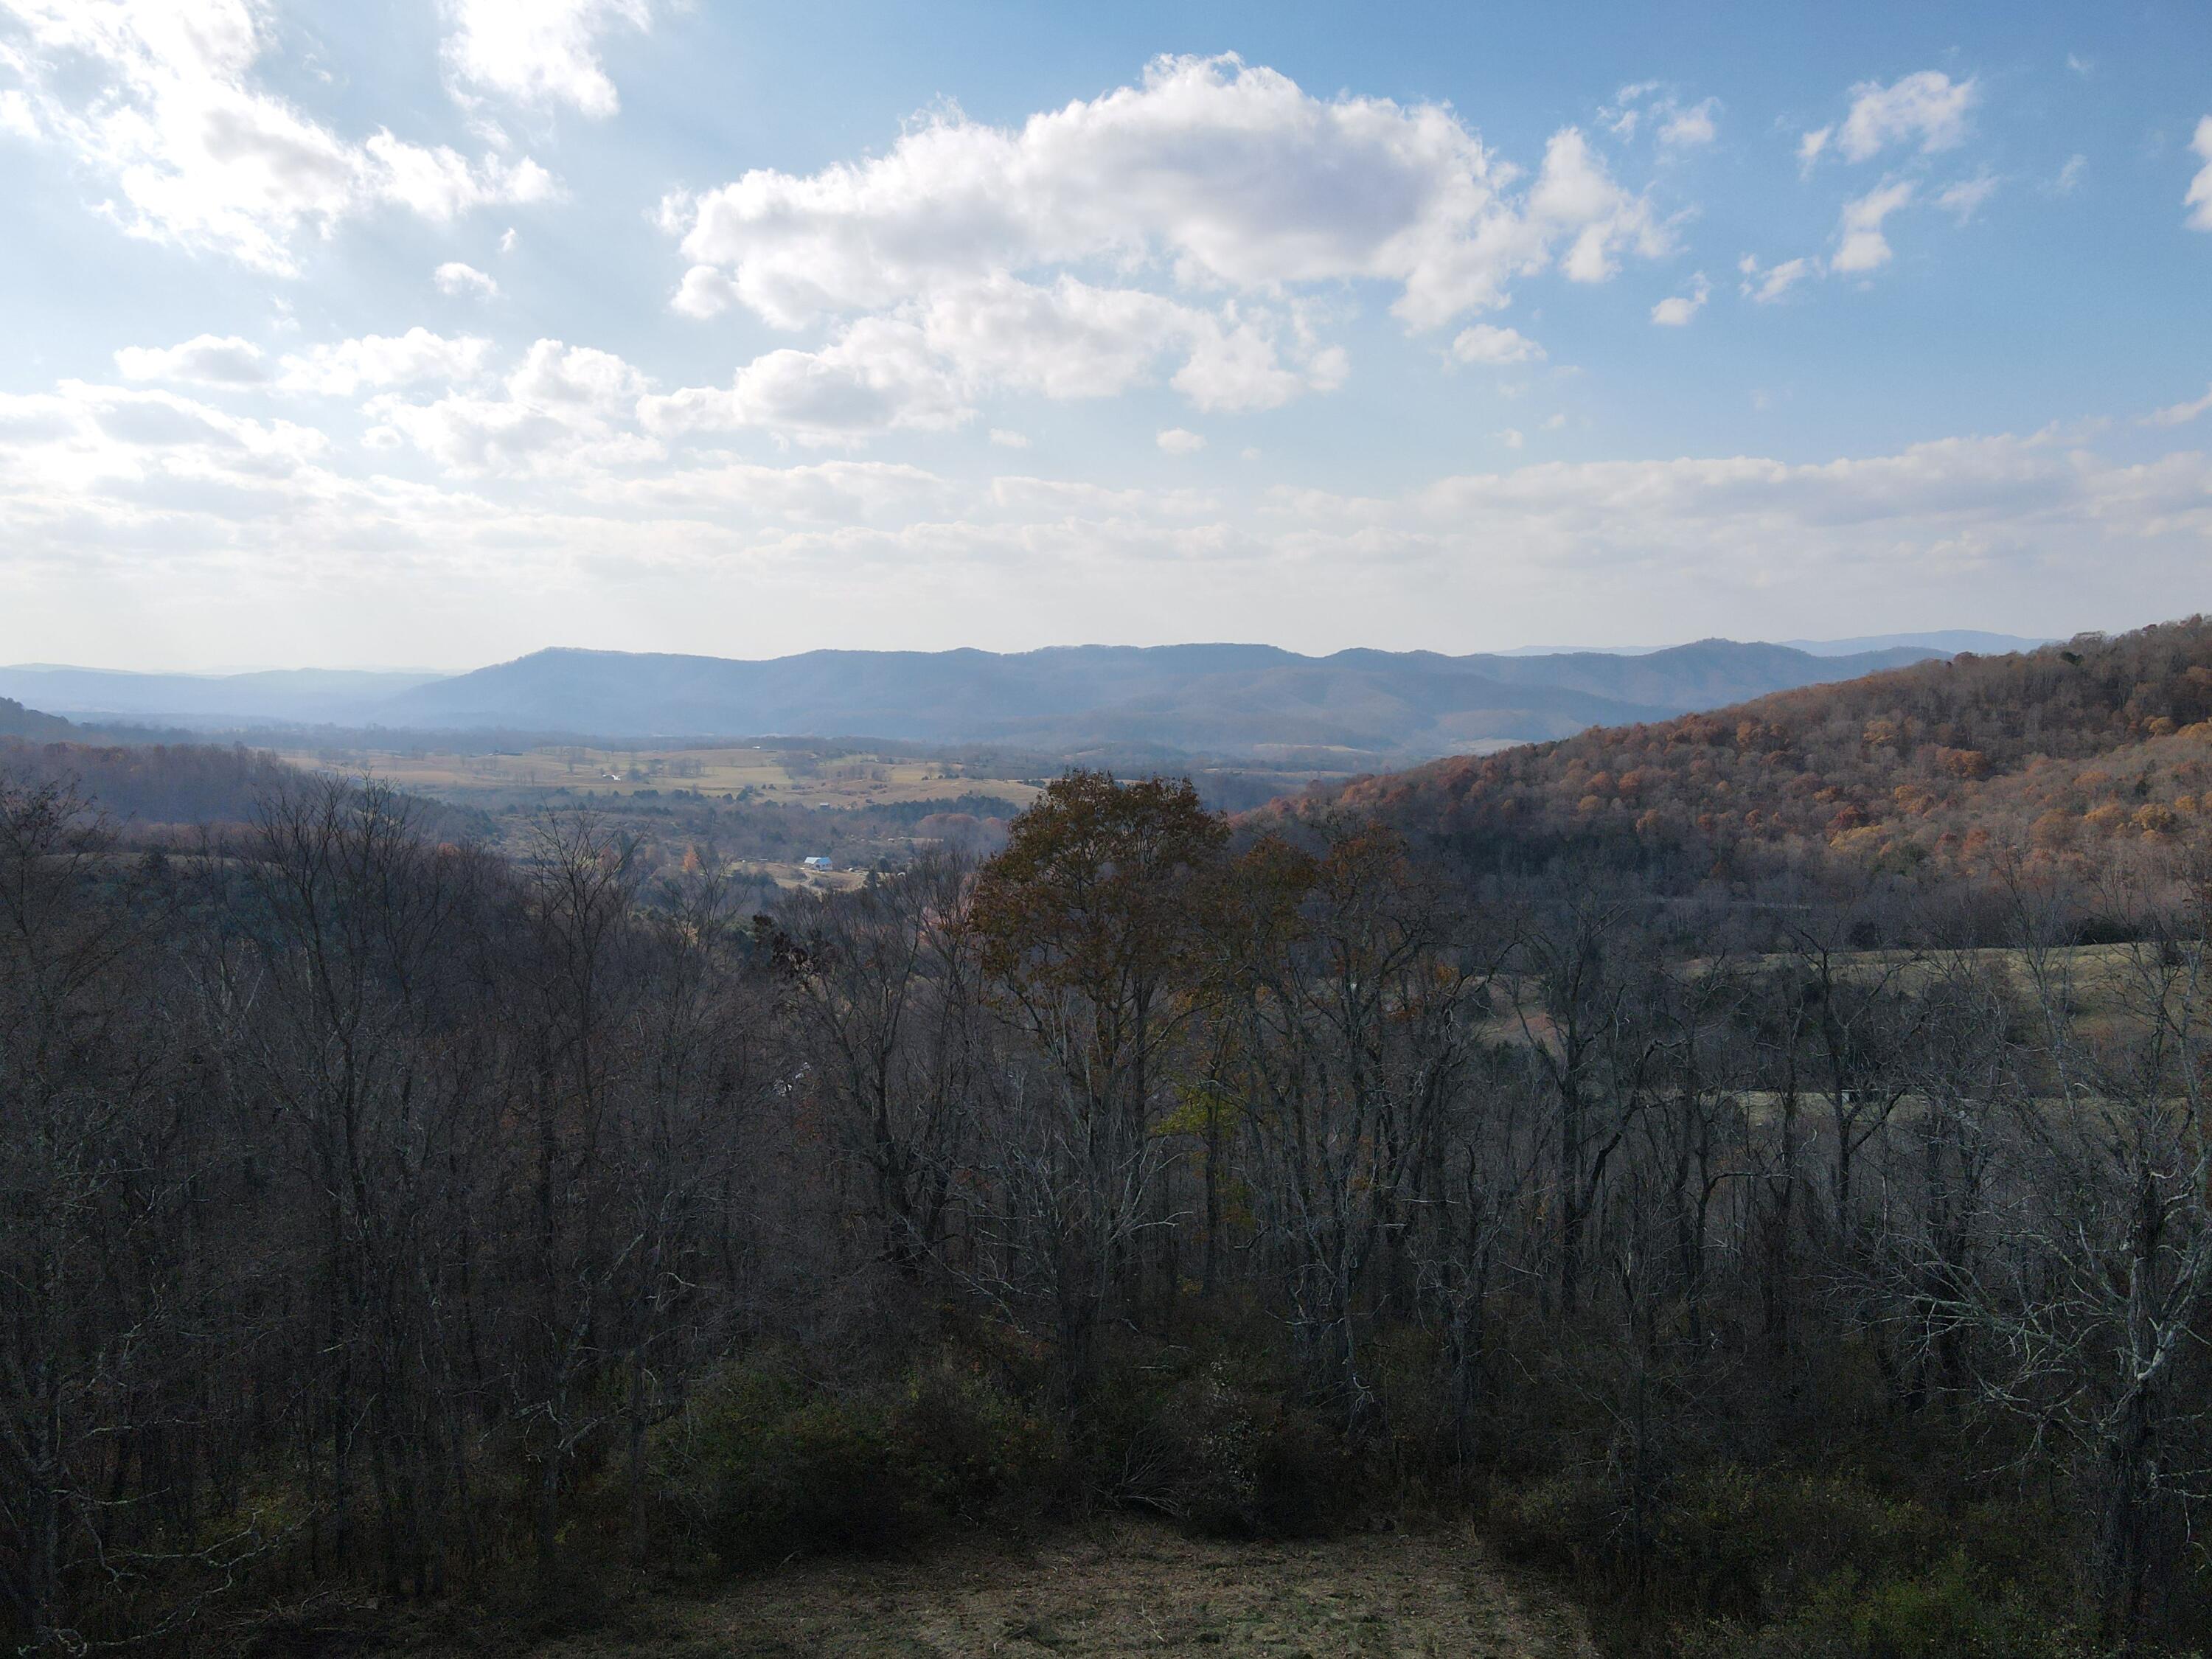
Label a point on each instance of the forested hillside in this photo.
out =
(17, 722)
(2061, 754)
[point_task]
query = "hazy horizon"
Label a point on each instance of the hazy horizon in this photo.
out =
(224, 671)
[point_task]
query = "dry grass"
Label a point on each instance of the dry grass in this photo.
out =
(785, 776)
(1127, 1587)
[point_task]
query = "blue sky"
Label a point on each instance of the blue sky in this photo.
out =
(431, 332)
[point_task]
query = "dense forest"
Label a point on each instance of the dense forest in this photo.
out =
(1796, 1246)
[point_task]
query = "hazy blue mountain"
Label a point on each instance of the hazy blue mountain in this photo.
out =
(1186, 696)
(1214, 698)
(309, 695)
(1948, 641)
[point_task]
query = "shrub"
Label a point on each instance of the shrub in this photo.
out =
(1231, 1461)
(762, 1467)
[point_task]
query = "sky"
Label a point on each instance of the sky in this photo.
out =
(428, 333)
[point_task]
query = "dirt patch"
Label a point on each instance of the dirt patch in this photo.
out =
(1125, 1588)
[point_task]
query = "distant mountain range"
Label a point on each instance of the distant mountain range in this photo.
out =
(309, 696)
(1192, 699)
(1946, 642)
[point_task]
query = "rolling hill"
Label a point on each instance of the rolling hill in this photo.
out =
(2071, 752)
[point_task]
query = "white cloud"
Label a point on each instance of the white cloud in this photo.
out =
(838, 492)
(1677, 125)
(1485, 343)
(1860, 244)
(376, 360)
(458, 279)
(1813, 145)
(506, 241)
(2199, 200)
(1177, 441)
(1511, 438)
(878, 375)
(1965, 198)
(1676, 310)
(2179, 414)
(1007, 440)
(1690, 128)
(565, 408)
(2081, 66)
(1765, 286)
(703, 292)
(206, 359)
(1927, 107)
(1074, 340)
(134, 515)
(16, 116)
(1249, 452)
(540, 51)
(157, 96)
(1225, 175)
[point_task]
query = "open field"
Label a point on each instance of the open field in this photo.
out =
(788, 776)
(1122, 1588)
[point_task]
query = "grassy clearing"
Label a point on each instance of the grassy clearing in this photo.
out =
(1121, 1587)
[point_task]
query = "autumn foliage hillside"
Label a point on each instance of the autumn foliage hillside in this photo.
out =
(2062, 754)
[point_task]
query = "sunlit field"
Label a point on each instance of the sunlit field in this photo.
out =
(790, 777)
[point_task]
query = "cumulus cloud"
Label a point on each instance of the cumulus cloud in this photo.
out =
(1691, 128)
(1765, 285)
(2199, 200)
(1487, 344)
(158, 96)
(560, 407)
(458, 279)
(373, 361)
(878, 375)
(1219, 178)
(540, 51)
(204, 360)
(1005, 440)
(1860, 244)
(16, 116)
(1676, 309)
(1176, 440)
(1927, 108)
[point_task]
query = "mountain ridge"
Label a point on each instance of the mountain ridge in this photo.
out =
(1198, 697)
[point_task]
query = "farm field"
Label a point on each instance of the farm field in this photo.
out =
(1124, 1588)
(793, 777)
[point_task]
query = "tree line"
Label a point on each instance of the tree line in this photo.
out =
(381, 1217)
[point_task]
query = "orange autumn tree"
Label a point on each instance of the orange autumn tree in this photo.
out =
(1091, 927)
